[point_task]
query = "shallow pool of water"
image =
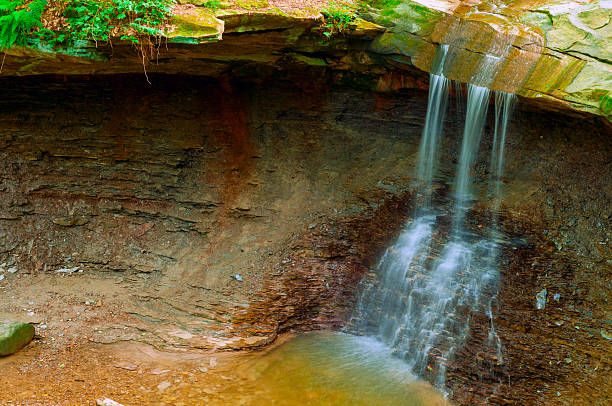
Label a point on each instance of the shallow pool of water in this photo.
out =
(329, 368)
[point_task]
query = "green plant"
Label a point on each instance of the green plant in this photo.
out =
(252, 4)
(100, 20)
(380, 4)
(18, 18)
(213, 4)
(137, 21)
(338, 17)
(386, 8)
(127, 19)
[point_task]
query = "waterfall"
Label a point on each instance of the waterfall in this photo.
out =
(434, 122)
(416, 304)
(475, 119)
(504, 103)
(414, 242)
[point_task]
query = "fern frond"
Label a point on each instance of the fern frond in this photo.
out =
(7, 6)
(17, 24)
(37, 8)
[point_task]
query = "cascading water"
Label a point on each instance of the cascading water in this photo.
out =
(424, 283)
(504, 102)
(434, 122)
(414, 242)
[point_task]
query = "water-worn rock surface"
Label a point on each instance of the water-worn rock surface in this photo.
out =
(555, 53)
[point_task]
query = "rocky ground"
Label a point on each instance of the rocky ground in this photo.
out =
(64, 367)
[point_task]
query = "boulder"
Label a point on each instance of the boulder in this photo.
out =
(14, 336)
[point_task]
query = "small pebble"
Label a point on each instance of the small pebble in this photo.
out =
(163, 386)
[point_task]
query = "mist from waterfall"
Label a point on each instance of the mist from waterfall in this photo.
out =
(416, 304)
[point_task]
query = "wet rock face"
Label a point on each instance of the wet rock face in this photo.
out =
(314, 283)
(181, 186)
(556, 205)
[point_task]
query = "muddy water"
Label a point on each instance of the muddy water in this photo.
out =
(329, 368)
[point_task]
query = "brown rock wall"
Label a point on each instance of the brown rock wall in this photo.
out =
(297, 186)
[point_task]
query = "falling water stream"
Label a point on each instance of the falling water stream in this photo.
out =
(416, 303)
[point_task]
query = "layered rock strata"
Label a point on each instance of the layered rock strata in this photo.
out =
(553, 53)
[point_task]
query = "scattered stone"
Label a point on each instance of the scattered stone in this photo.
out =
(107, 402)
(213, 362)
(185, 335)
(159, 371)
(142, 229)
(69, 271)
(238, 277)
(163, 386)
(1, 276)
(14, 336)
(606, 335)
(70, 221)
(126, 365)
(203, 369)
(541, 299)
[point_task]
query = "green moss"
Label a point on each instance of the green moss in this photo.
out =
(420, 13)
(409, 15)
(201, 26)
(14, 336)
(252, 4)
(211, 4)
(310, 61)
(380, 4)
(606, 105)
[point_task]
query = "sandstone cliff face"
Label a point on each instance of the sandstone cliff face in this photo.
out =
(557, 53)
(553, 53)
